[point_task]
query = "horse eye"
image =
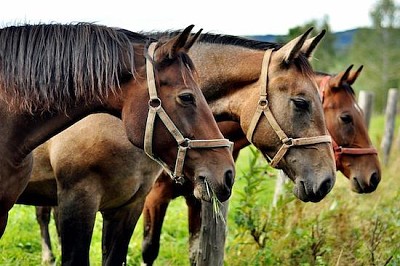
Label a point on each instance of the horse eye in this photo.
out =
(301, 104)
(346, 118)
(187, 98)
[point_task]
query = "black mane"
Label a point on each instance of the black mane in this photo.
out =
(208, 38)
(51, 66)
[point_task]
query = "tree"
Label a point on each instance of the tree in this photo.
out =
(378, 50)
(326, 58)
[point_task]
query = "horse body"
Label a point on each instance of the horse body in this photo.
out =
(230, 78)
(54, 75)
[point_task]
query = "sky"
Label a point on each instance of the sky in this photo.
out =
(247, 17)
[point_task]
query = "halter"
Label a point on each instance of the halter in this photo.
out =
(339, 150)
(263, 108)
(184, 144)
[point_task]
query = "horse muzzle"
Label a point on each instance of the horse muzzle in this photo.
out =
(308, 190)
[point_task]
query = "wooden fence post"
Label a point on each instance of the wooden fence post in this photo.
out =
(365, 101)
(390, 115)
(280, 182)
(213, 232)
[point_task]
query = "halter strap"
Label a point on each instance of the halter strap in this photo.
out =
(184, 144)
(339, 150)
(263, 108)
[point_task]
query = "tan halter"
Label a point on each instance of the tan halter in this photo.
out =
(184, 144)
(338, 149)
(263, 108)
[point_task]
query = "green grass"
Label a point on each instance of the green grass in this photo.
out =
(347, 223)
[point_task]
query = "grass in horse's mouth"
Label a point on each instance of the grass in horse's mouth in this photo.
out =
(215, 203)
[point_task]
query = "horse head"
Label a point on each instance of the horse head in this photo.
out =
(293, 131)
(355, 156)
(180, 131)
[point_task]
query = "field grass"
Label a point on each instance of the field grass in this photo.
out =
(343, 229)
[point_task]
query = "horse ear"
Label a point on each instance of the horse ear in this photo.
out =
(341, 78)
(354, 75)
(310, 44)
(180, 42)
(176, 44)
(192, 40)
(292, 49)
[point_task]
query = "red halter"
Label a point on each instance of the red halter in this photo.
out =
(339, 150)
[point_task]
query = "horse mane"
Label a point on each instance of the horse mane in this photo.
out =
(301, 62)
(48, 67)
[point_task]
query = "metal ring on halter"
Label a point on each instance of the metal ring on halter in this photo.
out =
(155, 103)
(288, 142)
(263, 102)
(185, 143)
(339, 150)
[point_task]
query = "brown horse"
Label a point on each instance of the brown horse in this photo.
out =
(228, 70)
(355, 156)
(53, 75)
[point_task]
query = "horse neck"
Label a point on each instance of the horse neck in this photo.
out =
(23, 132)
(225, 71)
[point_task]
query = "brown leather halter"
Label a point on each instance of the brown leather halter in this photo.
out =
(184, 144)
(339, 150)
(263, 108)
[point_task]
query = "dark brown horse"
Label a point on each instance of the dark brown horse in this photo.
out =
(355, 156)
(230, 71)
(53, 75)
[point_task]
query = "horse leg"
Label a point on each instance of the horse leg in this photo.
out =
(118, 227)
(57, 223)
(194, 216)
(13, 180)
(154, 210)
(76, 213)
(43, 218)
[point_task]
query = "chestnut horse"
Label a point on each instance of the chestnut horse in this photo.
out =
(52, 75)
(355, 157)
(229, 72)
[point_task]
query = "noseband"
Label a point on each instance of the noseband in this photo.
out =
(263, 108)
(184, 144)
(339, 150)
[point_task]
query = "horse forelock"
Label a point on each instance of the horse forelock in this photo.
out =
(48, 67)
(303, 65)
(188, 70)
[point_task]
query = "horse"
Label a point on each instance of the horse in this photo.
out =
(52, 75)
(355, 157)
(228, 69)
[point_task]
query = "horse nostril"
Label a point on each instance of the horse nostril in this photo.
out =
(325, 186)
(375, 179)
(201, 178)
(229, 179)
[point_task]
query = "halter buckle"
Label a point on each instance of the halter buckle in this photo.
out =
(179, 180)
